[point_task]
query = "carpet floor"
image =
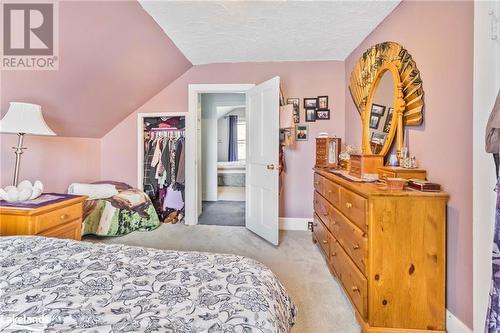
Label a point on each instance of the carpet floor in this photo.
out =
(297, 262)
(228, 213)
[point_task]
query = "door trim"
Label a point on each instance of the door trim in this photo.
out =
(191, 190)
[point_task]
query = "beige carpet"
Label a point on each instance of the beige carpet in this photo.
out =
(298, 263)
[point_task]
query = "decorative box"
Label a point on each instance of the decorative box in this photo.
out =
(399, 172)
(327, 152)
(365, 164)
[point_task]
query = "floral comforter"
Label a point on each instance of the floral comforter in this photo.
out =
(129, 210)
(69, 286)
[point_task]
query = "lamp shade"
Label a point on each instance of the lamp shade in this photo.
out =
(24, 118)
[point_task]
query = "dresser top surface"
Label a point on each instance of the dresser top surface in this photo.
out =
(376, 189)
(5, 210)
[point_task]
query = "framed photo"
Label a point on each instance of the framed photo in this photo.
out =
(296, 108)
(378, 110)
(378, 138)
(310, 103)
(323, 102)
(322, 114)
(310, 115)
(388, 120)
(374, 120)
(294, 101)
(301, 132)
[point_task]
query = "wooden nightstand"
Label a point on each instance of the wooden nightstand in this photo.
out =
(62, 219)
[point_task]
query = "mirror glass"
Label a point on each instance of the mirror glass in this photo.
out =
(382, 110)
(332, 148)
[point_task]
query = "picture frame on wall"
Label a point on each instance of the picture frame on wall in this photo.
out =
(374, 121)
(310, 115)
(296, 108)
(388, 120)
(322, 114)
(378, 110)
(294, 101)
(310, 103)
(301, 132)
(323, 102)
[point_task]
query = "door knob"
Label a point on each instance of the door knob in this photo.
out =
(270, 166)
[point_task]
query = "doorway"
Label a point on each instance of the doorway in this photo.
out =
(261, 149)
(223, 157)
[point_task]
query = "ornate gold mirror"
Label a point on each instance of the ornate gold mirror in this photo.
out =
(387, 90)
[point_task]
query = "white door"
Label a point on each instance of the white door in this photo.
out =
(262, 105)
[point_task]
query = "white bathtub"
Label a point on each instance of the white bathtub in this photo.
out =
(231, 167)
(231, 173)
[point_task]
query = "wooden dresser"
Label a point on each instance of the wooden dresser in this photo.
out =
(61, 220)
(388, 251)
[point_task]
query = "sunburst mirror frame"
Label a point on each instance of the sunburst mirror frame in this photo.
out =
(408, 101)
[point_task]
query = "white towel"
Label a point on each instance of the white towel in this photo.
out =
(93, 191)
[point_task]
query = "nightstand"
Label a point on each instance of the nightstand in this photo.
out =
(61, 219)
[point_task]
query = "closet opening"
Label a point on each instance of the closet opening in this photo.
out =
(162, 154)
(223, 158)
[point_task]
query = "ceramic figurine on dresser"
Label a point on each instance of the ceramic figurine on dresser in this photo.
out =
(394, 273)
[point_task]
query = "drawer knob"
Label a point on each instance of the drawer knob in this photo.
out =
(316, 183)
(355, 247)
(330, 191)
(325, 241)
(334, 222)
(64, 216)
(348, 205)
(334, 254)
(355, 289)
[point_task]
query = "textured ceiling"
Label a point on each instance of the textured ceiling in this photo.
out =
(113, 58)
(253, 31)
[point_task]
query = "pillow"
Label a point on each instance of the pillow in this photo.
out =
(120, 186)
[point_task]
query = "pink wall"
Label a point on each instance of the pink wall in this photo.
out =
(113, 58)
(56, 161)
(299, 79)
(443, 50)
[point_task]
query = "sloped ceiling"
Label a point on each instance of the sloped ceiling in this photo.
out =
(253, 31)
(113, 58)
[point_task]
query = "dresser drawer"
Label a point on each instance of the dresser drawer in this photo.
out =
(58, 217)
(322, 209)
(321, 234)
(318, 183)
(350, 237)
(71, 230)
(331, 192)
(355, 284)
(354, 207)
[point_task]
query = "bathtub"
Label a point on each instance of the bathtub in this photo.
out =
(231, 173)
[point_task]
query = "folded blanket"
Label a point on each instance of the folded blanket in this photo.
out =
(93, 191)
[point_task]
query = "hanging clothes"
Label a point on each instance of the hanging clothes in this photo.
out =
(164, 164)
(493, 315)
(493, 146)
(493, 133)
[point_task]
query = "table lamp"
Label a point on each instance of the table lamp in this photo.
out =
(21, 119)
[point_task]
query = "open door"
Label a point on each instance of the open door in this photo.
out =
(262, 179)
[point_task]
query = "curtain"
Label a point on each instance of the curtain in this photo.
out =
(233, 139)
(493, 316)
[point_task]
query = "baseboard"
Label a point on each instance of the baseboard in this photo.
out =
(454, 325)
(292, 223)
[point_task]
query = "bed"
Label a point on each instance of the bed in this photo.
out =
(73, 286)
(129, 210)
